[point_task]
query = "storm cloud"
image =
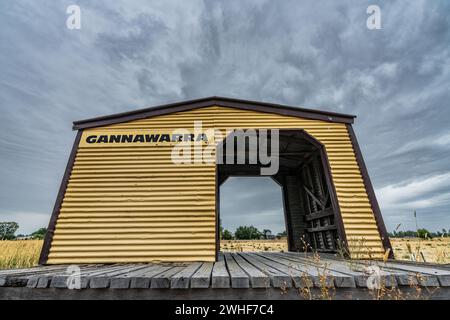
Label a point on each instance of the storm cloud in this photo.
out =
(317, 54)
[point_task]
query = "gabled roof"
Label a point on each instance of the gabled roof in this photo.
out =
(213, 101)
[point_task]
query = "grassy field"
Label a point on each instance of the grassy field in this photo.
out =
(25, 253)
(19, 253)
(435, 250)
(253, 245)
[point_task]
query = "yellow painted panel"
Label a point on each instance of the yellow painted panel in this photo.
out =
(130, 203)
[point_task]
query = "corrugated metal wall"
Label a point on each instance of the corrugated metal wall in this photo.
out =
(132, 204)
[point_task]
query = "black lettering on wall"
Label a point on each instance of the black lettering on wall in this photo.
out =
(102, 139)
(151, 137)
(114, 138)
(127, 138)
(202, 137)
(177, 137)
(91, 139)
(164, 138)
(139, 138)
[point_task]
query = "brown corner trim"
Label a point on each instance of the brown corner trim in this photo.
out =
(59, 199)
(217, 191)
(214, 101)
(370, 192)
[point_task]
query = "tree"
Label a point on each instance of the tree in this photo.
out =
(227, 235)
(282, 234)
(7, 230)
(423, 233)
(267, 234)
(247, 233)
(39, 234)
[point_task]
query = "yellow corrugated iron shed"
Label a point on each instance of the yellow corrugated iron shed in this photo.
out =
(128, 202)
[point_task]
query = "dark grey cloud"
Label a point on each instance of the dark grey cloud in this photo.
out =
(317, 54)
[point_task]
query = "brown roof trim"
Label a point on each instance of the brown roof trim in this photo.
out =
(214, 101)
(371, 193)
(59, 199)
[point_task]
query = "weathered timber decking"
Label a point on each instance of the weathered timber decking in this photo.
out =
(256, 275)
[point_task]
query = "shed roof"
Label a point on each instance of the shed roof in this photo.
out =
(213, 101)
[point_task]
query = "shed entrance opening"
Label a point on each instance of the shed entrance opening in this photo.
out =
(252, 201)
(309, 201)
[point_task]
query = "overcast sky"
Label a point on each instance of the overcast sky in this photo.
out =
(318, 54)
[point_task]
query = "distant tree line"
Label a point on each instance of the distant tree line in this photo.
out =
(252, 233)
(8, 232)
(420, 233)
(249, 233)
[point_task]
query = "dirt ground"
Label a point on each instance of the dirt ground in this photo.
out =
(435, 250)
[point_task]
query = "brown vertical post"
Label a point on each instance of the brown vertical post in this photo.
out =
(217, 190)
(371, 193)
(287, 215)
(59, 199)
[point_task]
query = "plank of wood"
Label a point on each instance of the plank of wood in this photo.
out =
(202, 277)
(239, 279)
(220, 276)
(359, 271)
(302, 276)
(220, 294)
(439, 266)
(162, 280)
(31, 270)
(61, 281)
(181, 280)
(403, 278)
(143, 281)
(360, 278)
(278, 279)
(320, 275)
(323, 228)
(123, 281)
(44, 280)
(14, 281)
(20, 277)
(102, 281)
(319, 202)
(319, 214)
(426, 276)
(258, 279)
(353, 268)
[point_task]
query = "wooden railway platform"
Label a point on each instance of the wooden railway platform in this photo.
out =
(249, 275)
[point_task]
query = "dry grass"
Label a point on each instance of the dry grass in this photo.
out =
(253, 245)
(435, 251)
(25, 253)
(19, 253)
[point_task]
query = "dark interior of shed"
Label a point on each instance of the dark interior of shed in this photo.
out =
(309, 206)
